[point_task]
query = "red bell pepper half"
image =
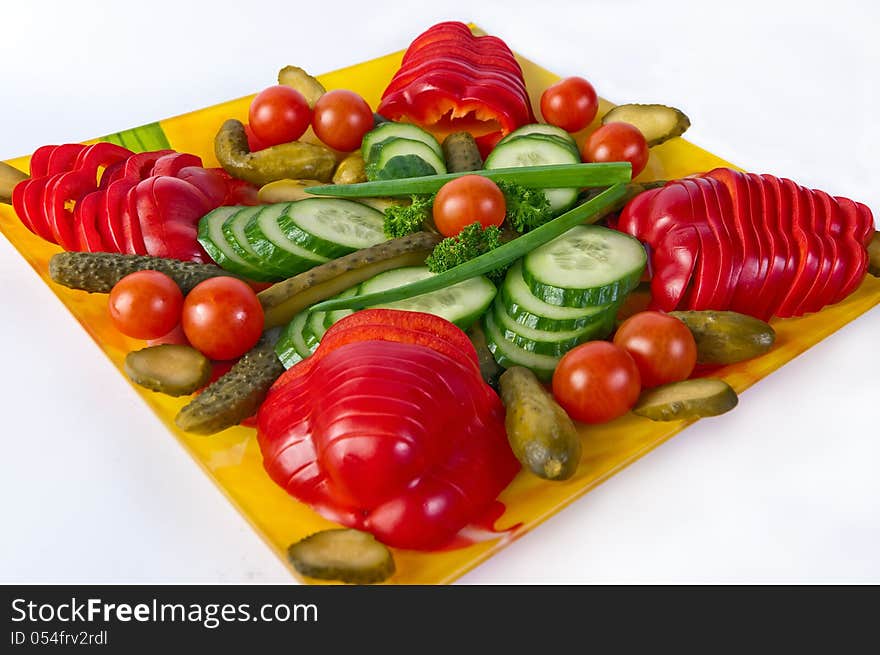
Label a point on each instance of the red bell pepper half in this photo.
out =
(388, 428)
(451, 80)
(755, 244)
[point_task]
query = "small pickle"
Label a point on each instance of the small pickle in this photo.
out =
(286, 191)
(727, 337)
(172, 369)
(658, 123)
(294, 160)
(98, 272)
(284, 300)
(461, 153)
(688, 399)
(874, 255)
(342, 554)
(296, 78)
(9, 177)
(542, 436)
(489, 368)
(351, 170)
(236, 395)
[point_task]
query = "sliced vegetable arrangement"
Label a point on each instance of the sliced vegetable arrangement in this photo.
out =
(447, 310)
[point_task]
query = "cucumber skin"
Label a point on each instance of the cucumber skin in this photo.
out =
(265, 272)
(524, 317)
(504, 359)
(287, 354)
(565, 297)
(598, 330)
(400, 167)
(274, 256)
(309, 241)
(393, 132)
(220, 258)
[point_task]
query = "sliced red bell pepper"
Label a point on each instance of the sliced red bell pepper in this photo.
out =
(809, 248)
(39, 164)
(762, 232)
(858, 256)
(719, 205)
(866, 224)
(669, 209)
(100, 156)
(139, 166)
(707, 273)
(63, 157)
(673, 261)
(85, 223)
(112, 173)
(207, 181)
(169, 210)
(62, 192)
(21, 208)
(110, 215)
(813, 288)
(632, 216)
(132, 237)
(838, 254)
(460, 67)
(171, 164)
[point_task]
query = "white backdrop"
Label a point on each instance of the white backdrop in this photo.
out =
(784, 489)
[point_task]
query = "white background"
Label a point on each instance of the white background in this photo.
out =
(784, 489)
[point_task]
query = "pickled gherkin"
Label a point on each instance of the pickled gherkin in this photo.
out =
(172, 369)
(725, 337)
(343, 554)
(461, 153)
(658, 123)
(688, 399)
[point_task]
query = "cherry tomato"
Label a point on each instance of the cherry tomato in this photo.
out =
(465, 200)
(145, 305)
(254, 142)
(617, 142)
(570, 104)
(662, 346)
(222, 318)
(341, 119)
(596, 382)
(279, 114)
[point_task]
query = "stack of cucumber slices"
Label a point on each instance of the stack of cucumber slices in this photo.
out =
(562, 294)
(539, 144)
(396, 150)
(463, 304)
(273, 242)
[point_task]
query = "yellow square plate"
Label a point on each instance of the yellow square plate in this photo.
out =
(232, 459)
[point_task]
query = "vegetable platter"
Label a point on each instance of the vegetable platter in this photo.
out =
(248, 469)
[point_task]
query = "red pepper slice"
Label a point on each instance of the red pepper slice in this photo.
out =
(110, 213)
(100, 155)
(784, 254)
(169, 210)
(112, 173)
(172, 163)
(85, 223)
(636, 211)
(671, 208)
(835, 251)
(20, 206)
(866, 224)
(39, 164)
(63, 158)
(858, 260)
(809, 248)
(459, 66)
(132, 238)
(62, 191)
(811, 296)
(489, 59)
(773, 262)
(207, 181)
(673, 260)
(718, 204)
(708, 270)
(139, 166)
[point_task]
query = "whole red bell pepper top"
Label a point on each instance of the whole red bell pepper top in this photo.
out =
(754, 244)
(383, 431)
(450, 79)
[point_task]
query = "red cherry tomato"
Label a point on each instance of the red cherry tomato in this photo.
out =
(254, 142)
(596, 382)
(222, 318)
(617, 142)
(145, 305)
(662, 346)
(465, 200)
(341, 119)
(570, 104)
(279, 114)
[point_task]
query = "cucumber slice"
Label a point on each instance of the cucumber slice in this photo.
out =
(588, 265)
(527, 310)
(331, 227)
(289, 347)
(232, 231)
(211, 237)
(331, 317)
(544, 342)
(273, 247)
(462, 303)
(537, 150)
(387, 131)
(508, 354)
(545, 129)
(399, 158)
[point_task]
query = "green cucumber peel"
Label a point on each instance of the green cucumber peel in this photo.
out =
(507, 253)
(539, 177)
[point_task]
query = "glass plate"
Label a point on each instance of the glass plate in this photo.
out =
(232, 458)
